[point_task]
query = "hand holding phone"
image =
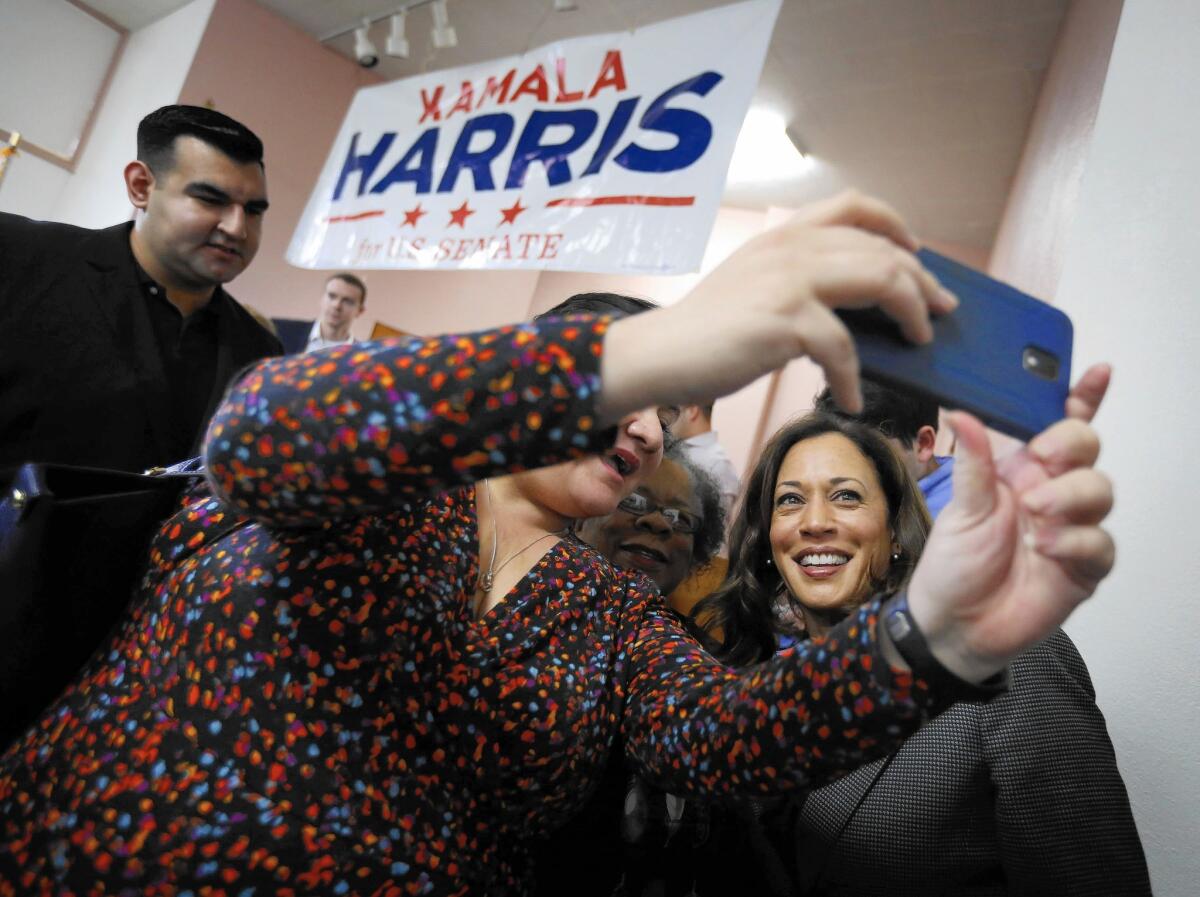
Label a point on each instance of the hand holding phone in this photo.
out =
(1003, 355)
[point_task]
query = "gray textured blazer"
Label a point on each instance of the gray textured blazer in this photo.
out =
(1020, 795)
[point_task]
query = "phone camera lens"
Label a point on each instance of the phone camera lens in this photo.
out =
(1040, 363)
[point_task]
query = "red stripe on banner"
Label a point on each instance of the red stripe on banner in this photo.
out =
(624, 201)
(336, 218)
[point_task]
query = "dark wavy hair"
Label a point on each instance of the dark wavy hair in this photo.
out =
(614, 305)
(742, 610)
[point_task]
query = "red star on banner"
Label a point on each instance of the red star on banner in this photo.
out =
(459, 216)
(412, 216)
(509, 215)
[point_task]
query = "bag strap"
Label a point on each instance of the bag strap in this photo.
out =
(190, 467)
(33, 481)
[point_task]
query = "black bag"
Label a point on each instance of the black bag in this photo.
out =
(73, 544)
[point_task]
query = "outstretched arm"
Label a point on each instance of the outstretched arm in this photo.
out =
(361, 429)
(364, 428)
(802, 718)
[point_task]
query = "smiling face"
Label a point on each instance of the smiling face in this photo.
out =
(647, 541)
(830, 538)
(202, 217)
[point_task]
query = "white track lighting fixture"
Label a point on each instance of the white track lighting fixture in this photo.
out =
(397, 45)
(443, 33)
(364, 51)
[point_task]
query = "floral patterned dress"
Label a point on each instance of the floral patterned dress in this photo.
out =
(300, 701)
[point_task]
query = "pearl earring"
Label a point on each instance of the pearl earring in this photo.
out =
(895, 556)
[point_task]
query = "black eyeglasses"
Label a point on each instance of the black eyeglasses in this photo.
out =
(680, 520)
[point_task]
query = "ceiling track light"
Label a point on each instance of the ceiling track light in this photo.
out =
(397, 44)
(365, 51)
(443, 33)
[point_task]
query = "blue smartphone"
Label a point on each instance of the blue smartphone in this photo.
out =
(1002, 355)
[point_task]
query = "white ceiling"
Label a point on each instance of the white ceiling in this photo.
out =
(923, 102)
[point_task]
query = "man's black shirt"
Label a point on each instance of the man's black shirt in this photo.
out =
(189, 356)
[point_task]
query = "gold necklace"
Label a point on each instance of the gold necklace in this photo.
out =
(488, 577)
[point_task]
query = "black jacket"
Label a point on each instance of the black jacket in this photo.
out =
(81, 374)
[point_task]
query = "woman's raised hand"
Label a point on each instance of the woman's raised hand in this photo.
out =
(1019, 547)
(771, 301)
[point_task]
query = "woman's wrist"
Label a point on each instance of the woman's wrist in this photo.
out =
(888, 648)
(902, 634)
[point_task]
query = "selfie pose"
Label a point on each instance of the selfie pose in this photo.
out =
(376, 661)
(1017, 795)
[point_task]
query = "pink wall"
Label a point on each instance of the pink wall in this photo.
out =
(1030, 243)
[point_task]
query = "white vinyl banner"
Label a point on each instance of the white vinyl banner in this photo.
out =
(605, 153)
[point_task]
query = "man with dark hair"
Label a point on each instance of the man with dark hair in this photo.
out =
(157, 134)
(910, 423)
(116, 344)
(344, 298)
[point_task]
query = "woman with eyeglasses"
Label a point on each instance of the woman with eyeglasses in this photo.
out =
(376, 661)
(668, 528)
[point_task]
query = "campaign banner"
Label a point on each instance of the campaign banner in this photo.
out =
(605, 153)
